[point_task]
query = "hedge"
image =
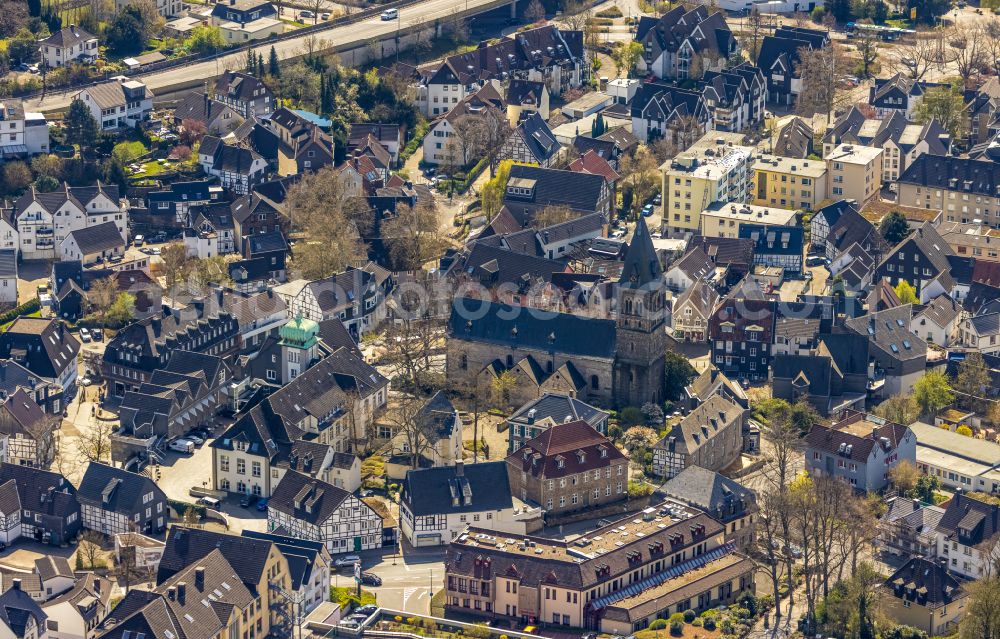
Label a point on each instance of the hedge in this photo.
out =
(419, 133)
(348, 600)
(31, 306)
(180, 507)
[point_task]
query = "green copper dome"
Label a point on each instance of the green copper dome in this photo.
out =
(299, 332)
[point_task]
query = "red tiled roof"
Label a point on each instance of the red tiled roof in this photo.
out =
(577, 444)
(590, 162)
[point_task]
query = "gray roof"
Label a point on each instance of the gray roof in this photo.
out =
(8, 263)
(431, 491)
(316, 500)
(942, 310)
(986, 324)
(115, 489)
(889, 331)
(98, 238)
(67, 37)
(719, 496)
(702, 424)
(558, 407)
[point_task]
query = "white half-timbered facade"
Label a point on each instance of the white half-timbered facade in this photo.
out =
(309, 509)
(115, 501)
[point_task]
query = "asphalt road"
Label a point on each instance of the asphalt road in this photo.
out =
(358, 33)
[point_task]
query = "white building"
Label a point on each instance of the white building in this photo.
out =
(317, 511)
(437, 504)
(71, 44)
(118, 104)
(438, 440)
(967, 536)
(164, 8)
(21, 132)
(723, 219)
(77, 613)
(44, 220)
(8, 274)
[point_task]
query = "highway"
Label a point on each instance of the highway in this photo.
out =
(338, 39)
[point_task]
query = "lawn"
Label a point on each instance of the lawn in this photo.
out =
(690, 632)
(37, 313)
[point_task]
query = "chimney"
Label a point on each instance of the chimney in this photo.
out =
(199, 577)
(460, 469)
(15, 584)
(171, 592)
(181, 591)
(97, 585)
(875, 434)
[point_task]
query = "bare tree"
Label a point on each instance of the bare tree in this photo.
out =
(535, 11)
(819, 71)
(410, 439)
(867, 44)
(412, 235)
(916, 57)
(640, 176)
(102, 295)
(496, 131)
(469, 131)
(94, 443)
(90, 548)
(966, 42)
(409, 345)
(755, 28)
(553, 214)
(575, 15)
(127, 567)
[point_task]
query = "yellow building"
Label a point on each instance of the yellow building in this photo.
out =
(924, 595)
(789, 183)
(714, 169)
(724, 219)
(855, 172)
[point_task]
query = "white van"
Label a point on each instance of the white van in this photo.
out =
(182, 445)
(390, 14)
(210, 502)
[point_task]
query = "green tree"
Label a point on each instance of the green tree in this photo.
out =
(982, 610)
(906, 292)
(122, 311)
(677, 373)
(126, 34)
(205, 39)
(81, 127)
(928, 10)
(924, 490)
(626, 55)
(842, 10)
(894, 228)
(273, 68)
(933, 392)
(630, 416)
(803, 416)
(947, 106)
(902, 409)
(493, 190)
(125, 152)
(972, 380)
(46, 184)
(23, 47)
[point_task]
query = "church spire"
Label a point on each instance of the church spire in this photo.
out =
(641, 264)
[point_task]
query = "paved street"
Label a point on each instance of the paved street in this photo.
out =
(406, 585)
(351, 36)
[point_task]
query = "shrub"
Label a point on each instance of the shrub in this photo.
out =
(677, 616)
(658, 624)
(697, 622)
(27, 308)
(964, 430)
(613, 12)
(689, 615)
(677, 628)
(709, 623)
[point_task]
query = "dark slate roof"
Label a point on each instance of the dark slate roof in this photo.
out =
(17, 608)
(725, 251)
(48, 346)
(267, 242)
(115, 489)
(68, 37)
(437, 417)
(79, 195)
(300, 553)
(719, 496)
(200, 108)
(775, 240)
(794, 140)
(969, 521)
(503, 266)
(924, 581)
(978, 177)
(431, 491)
(889, 331)
(101, 237)
(812, 369)
(558, 408)
(848, 351)
(185, 546)
(538, 138)
(241, 86)
(642, 266)
(490, 322)
(10, 501)
(318, 500)
(42, 490)
(579, 191)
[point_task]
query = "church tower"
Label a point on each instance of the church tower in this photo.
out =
(297, 339)
(640, 324)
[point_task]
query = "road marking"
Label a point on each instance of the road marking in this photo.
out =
(407, 593)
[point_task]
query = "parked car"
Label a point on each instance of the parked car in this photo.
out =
(248, 500)
(324, 16)
(366, 609)
(357, 617)
(84, 335)
(97, 334)
(352, 625)
(262, 506)
(210, 502)
(138, 240)
(370, 579)
(305, 14)
(390, 14)
(198, 441)
(647, 210)
(182, 445)
(815, 260)
(658, 199)
(346, 560)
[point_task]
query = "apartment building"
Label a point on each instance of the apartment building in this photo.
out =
(963, 190)
(724, 219)
(789, 183)
(118, 104)
(714, 169)
(617, 579)
(21, 132)
(967, 535)
(854, 172)
(976, 240)
(711, 437)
